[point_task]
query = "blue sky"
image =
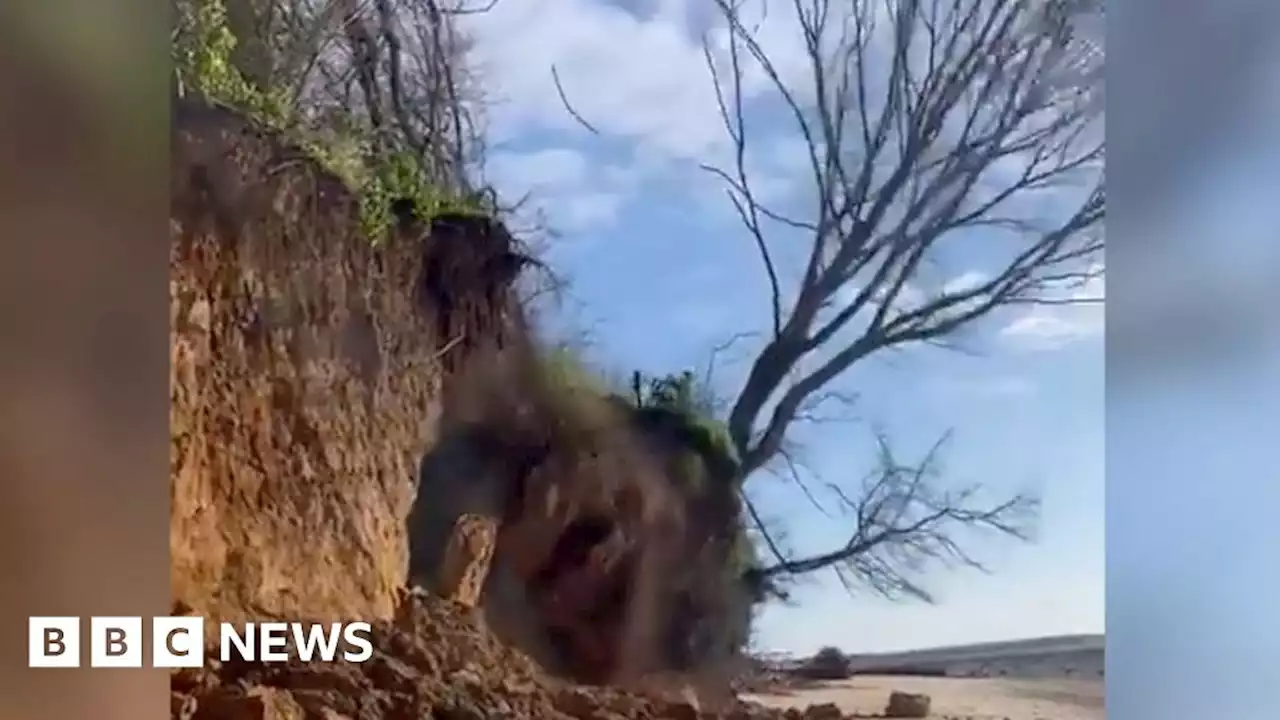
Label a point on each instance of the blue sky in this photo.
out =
(661, 273)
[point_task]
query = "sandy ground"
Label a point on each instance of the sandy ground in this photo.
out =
(977, 698)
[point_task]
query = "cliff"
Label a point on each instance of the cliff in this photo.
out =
(305, 383)
(337, 402)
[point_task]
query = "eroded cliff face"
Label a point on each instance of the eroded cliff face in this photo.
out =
(337, 403)
(305, 380)
(612, 564)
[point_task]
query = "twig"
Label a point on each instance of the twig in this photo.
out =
(448, 346)
(564, 100)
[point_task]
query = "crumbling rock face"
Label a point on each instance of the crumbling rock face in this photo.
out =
(312, 373)
(306, 378)
(709, 622)
(589, 525)
(610, 564)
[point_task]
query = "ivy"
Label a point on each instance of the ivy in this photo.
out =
(401, 176)
(203, 48)
(203, 63)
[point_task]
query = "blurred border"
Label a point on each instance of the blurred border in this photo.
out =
(1192, 372)
(83, 340)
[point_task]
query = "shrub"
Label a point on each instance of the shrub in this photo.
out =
(201, 48)
(826, 664)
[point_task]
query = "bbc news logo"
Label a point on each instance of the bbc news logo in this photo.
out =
(178, 642)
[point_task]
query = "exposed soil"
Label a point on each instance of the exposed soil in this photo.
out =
(314, 370)
(433, 662)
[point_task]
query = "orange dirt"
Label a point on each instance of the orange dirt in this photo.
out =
(432, 662)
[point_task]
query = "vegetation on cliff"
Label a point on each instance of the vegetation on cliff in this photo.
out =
(382, 171)
(347, 305)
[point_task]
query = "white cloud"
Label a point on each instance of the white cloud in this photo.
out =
(1036, 328)
(908, 298)
(964, 281)
(913, 295)
(1048, 329)
(1051, 327)
(638, 78)
(641, 78)
(590, 210)
(578, 195)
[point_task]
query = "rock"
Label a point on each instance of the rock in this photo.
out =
(682, 711)
(907, 705)
(259, 703)
(329, 714)
(390, 673)
(181, 707)
(328, 704)
(576, 702)
(825, 711)
(467, 558)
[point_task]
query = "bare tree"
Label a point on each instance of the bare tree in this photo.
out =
(904, 519)
(927, 125)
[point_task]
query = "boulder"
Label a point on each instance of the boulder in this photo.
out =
(908, 705)
(824, 711)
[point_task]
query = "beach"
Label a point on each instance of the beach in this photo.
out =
(976, 698)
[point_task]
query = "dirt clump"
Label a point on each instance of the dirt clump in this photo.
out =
(435, 662)
(609, 566)
(588, 537)
(430, 662)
